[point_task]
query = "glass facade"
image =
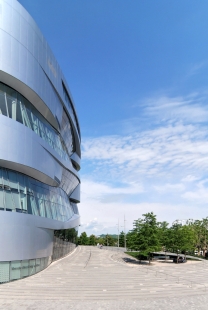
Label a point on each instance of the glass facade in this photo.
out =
(71, 109)
(40, 137)
(75, 208)
(15, 106)
(68, 182)
(66, 132)
(20, 193)
(15, 270)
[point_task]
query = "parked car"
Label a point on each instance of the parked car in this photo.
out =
(181, 259)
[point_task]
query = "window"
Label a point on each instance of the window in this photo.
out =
(70, 106)
(19, 193)
(15, 106)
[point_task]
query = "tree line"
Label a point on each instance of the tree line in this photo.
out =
(149, 235)
(107, 240)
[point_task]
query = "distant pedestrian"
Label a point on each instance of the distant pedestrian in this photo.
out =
(98, 245)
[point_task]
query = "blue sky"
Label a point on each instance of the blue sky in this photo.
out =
(138, 73)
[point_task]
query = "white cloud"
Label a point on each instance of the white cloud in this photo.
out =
(188, 109)
(151, 152)
(157, 168)
(196, 68)
(189, 178)
(96, 190)
(170, 187)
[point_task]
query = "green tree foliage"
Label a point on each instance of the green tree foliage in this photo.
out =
(109, 241)
(163, 233)
(200, 228)
(148, 235)
(100, 240)
(92, 240)
(121, 239)
(67, 234)
(83, 239)
(180, 239)
(145, 236)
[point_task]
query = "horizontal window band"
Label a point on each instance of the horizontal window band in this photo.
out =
(18, 108)
(27, 195)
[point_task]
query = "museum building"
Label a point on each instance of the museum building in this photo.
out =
(39, 149)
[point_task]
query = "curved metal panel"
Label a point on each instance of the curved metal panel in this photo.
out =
(28, 65)
(25, 54)
(20, 145)
(35, 234)
(75, 196)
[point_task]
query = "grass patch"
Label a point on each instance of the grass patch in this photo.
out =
(133, 254)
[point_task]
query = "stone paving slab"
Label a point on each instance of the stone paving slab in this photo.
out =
(191, 303)
(91, 278)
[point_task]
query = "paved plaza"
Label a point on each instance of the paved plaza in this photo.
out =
(91, 278)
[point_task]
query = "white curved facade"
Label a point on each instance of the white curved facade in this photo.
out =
(39, 146)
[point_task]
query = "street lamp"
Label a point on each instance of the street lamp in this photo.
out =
(118, 233)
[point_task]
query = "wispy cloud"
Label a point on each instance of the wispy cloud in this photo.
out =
(189, 109)
(152, 152)
(196, 68)
(167, 160)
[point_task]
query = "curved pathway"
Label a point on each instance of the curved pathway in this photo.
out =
(91, 278)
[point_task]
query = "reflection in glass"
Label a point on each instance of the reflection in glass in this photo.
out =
(25, 269)
(31, 267)
(38, 267)
(26, 195)
(15, 270)
(4, 272)
(15, 106)
(71, 109)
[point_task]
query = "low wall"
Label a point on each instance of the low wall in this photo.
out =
(114, 248)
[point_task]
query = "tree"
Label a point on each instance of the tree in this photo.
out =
(180, 238)
(67, 234)
(121, 239)
(109, 240)
(187, 239)
(201, 234)
(163, 233)
(92, 240)
(173, 240)
(100, 240)
(83, 239)
(205, 235)
(71, 235)
(145, 236)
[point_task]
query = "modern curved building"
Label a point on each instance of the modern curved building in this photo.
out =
(39, 148)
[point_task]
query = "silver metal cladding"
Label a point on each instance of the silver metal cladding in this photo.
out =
(39, 146)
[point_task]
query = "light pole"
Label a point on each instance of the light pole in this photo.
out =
(124, 232)
(118, 233)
